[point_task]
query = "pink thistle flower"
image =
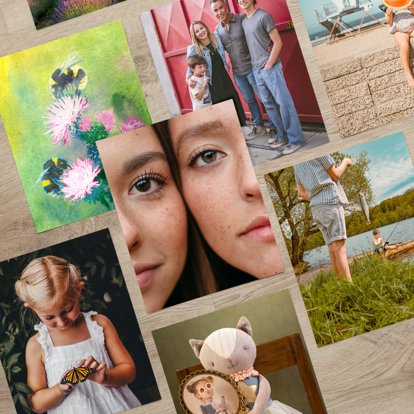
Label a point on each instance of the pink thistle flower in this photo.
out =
(79, 180)
(130, 123)
(85, 123)
(63, 113)
(107, 118)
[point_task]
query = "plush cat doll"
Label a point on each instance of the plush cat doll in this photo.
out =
(232, 351)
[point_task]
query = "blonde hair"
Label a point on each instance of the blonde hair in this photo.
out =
(198, 46)
(45, 277)
(192, 388)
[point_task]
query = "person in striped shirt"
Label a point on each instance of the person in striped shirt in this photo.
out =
(318, 182)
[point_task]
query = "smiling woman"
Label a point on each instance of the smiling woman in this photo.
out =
(221, 189)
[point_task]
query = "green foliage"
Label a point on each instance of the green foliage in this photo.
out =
(294, 214)
(381, 294)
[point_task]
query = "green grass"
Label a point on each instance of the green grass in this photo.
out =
(381, 294)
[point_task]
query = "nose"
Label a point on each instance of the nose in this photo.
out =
(249, 185)
(130, 229)
(61, 322)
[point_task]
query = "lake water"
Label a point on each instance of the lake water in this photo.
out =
(401, 231)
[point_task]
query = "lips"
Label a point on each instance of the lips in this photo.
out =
(145, 273)
(259, 229)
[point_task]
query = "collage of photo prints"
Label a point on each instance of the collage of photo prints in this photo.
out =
(207, 206)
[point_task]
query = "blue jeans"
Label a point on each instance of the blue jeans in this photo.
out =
(248, 88)
(279, 105)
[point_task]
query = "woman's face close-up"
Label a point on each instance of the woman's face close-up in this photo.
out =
(150, 209)
(200, 31)
(221, 189)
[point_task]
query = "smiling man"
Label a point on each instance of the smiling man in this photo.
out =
(230, 31)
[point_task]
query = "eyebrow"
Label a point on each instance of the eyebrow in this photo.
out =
(141, 160)
(202, 129)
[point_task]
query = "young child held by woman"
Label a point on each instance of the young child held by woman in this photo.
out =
(68, 339)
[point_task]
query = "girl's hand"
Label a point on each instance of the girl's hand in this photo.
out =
(99, 375)
(65, 389)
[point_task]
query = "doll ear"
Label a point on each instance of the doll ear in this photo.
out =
(244, 325)
(196, 344)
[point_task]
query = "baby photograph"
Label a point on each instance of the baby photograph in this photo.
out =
(254, 350)
(69, 338)
(363, 49)
(347, 221)
(190, 206)
(242, 50)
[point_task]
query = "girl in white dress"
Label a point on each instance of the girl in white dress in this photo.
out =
(68, 339)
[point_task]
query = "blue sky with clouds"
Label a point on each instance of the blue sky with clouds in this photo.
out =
(308, 11)
(391, 171)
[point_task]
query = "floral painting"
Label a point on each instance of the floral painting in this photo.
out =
(56, 101)
(48, 12)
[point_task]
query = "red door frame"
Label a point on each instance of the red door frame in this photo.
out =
(172, 22)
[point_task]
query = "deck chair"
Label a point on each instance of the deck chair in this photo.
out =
(278, 354)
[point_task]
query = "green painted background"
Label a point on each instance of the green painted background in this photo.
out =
(271, 317)
(25, 98)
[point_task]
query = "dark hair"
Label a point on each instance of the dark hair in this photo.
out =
(197, 278)
(195, 60)
(375, 231)
(225, 275)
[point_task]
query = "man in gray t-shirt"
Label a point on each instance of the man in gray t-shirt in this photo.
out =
(260, 31)
(231, 33)
(318, 182)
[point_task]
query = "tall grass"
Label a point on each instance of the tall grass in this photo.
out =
(381, 294)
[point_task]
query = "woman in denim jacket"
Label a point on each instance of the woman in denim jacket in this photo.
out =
(209, 46)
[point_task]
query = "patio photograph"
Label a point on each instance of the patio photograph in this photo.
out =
(363, 51)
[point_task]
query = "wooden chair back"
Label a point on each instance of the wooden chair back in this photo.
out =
(278, 354)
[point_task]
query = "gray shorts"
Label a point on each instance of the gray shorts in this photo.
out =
(330, 219)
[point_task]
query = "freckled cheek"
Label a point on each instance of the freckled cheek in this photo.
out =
(173, 225)
(212, 210)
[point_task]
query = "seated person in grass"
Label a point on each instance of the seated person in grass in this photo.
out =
(318, 182)
(200, 93)
(379, 245)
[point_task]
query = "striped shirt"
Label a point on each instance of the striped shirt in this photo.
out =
(318, 183)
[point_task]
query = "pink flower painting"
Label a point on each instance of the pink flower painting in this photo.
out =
(63, 114)
(80, 179)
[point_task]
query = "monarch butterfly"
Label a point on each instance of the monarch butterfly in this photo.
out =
(76, 375)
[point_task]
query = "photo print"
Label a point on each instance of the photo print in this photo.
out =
(48, 12)
(56, 101)
(210, 52)
(70, 341)
(362, 48)
(256, 344)
(347, 221)
(190, 206)
(205, 390)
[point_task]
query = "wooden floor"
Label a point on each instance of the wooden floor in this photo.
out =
(368, 374)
